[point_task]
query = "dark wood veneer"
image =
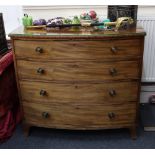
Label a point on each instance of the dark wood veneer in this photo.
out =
(77, 81)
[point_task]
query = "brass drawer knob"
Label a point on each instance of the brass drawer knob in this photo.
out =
(40, 70)
(39, 50)
(113, 71)
(112, 92)
(114, 49)
(43, 92)
(45, 115)
(111, 115)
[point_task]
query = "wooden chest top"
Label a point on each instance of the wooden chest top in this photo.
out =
(76, 33)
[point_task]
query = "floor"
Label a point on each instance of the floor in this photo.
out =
(65, 139)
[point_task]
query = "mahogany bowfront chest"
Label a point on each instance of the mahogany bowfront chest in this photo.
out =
(79, 80)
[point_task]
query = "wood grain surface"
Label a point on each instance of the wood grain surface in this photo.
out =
(81, 80)
(82, 93)
(77, 50)
(78, 71)
(80, 116)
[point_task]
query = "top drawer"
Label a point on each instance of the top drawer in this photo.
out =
(69, 50)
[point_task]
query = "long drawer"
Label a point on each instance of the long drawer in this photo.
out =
(80, 116)
(77, 50)
(78, 71)
(78, 93)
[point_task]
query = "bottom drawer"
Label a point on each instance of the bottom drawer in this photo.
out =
(80, 116)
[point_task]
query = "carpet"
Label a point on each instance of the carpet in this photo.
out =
(43, 138)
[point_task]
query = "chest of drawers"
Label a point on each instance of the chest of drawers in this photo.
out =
(79, 81)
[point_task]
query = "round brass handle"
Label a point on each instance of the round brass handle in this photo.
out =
(113, 71)
(114, 49)
(39, 50)
(43, 92)
(45, 115)
(40, 70)
(112, 92)
(111, 115)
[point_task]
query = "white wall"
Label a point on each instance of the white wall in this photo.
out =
(11, 16)
(65, 11)
(48, 12)
(146, 11)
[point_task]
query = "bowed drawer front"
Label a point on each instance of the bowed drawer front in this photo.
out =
(80, 116)
(78, 50)
(82, 93)
(79, 83)
(78, 71)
